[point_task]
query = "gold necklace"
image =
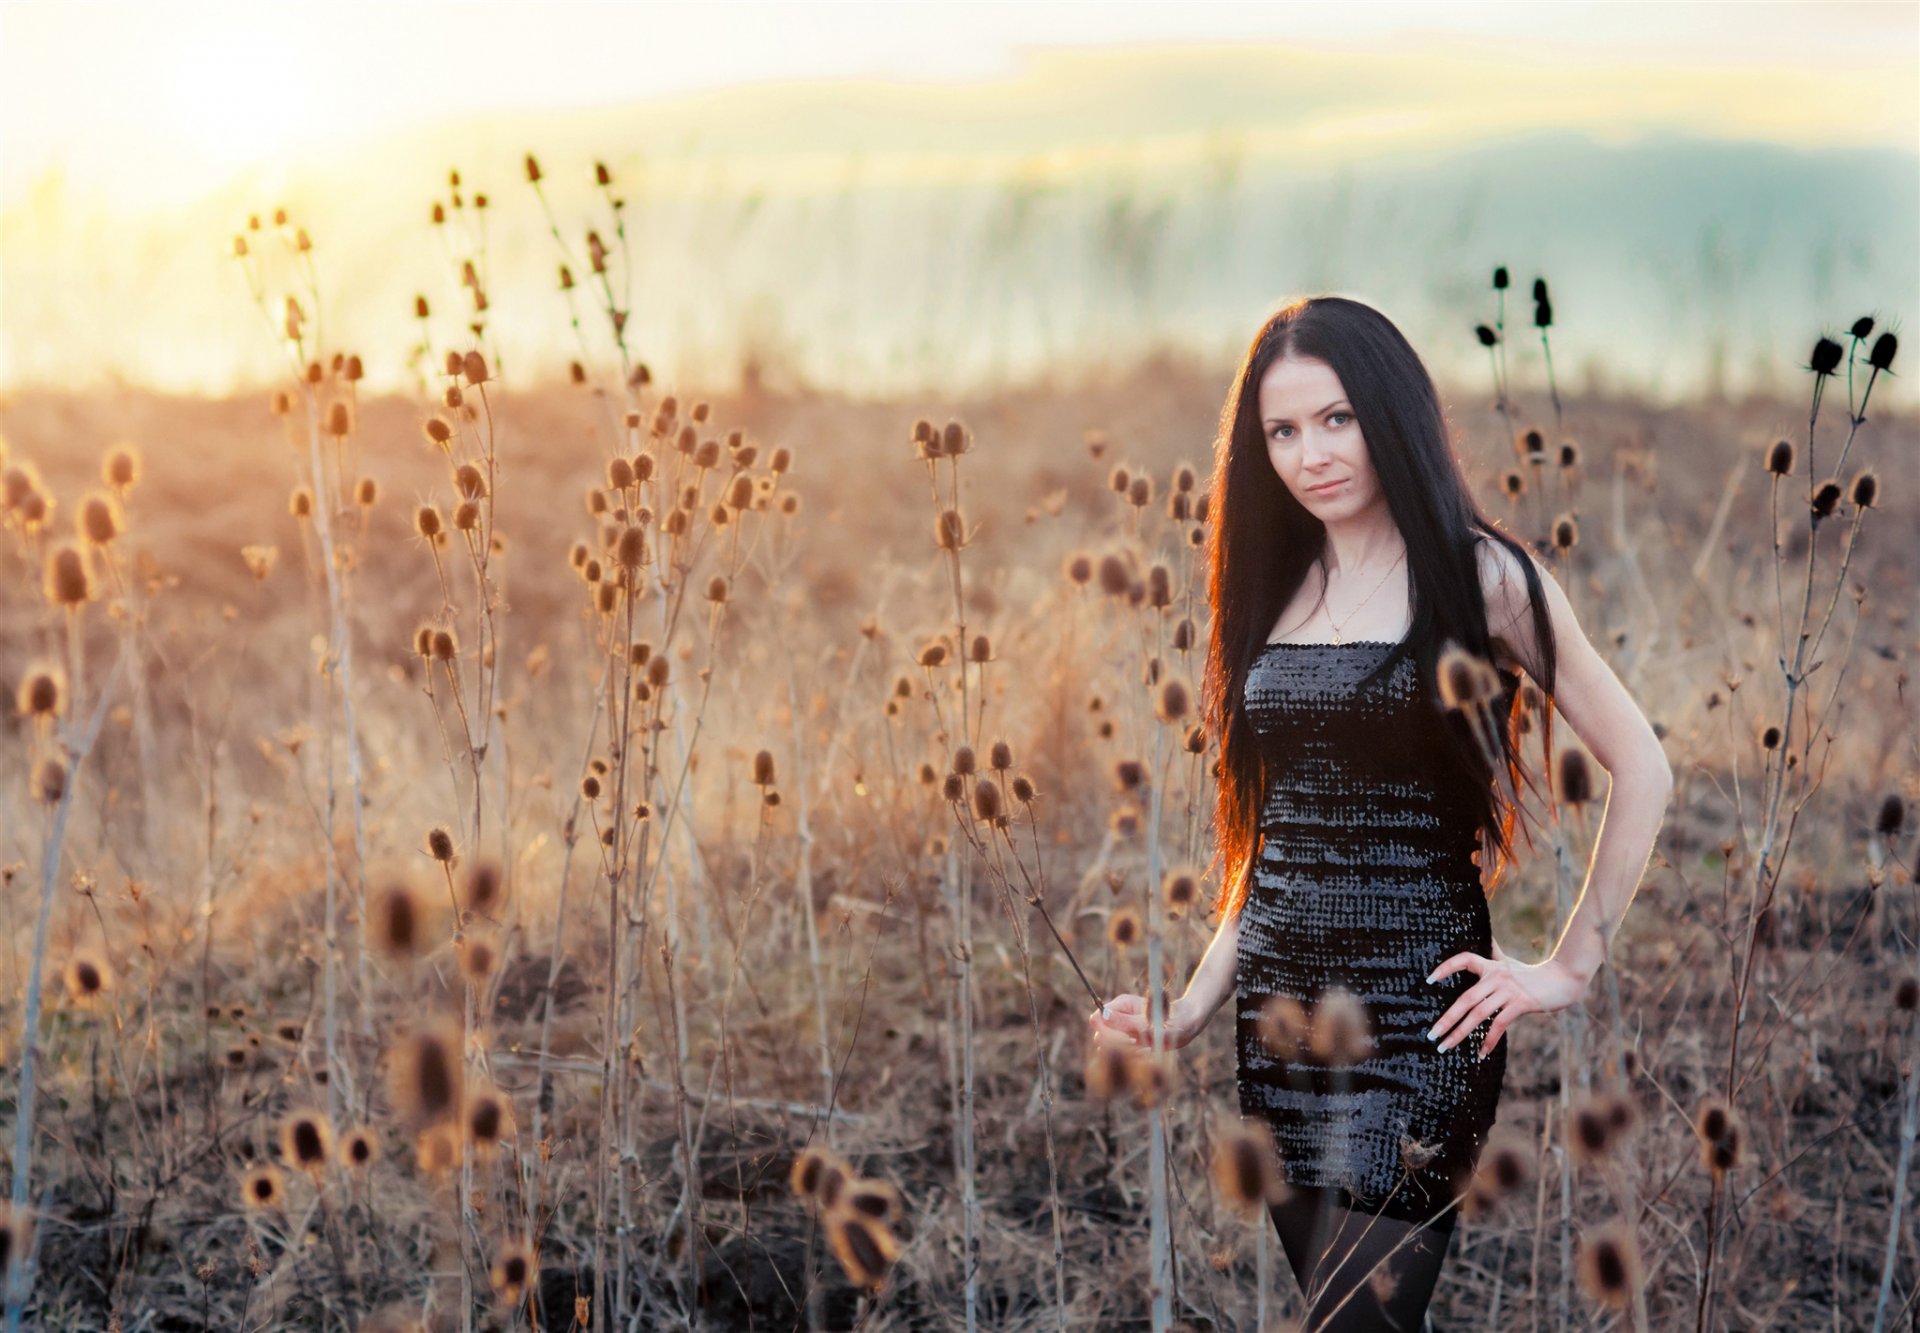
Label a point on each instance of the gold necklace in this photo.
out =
(1363, 601)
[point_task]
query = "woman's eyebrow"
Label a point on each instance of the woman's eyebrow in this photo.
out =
(1274, 421)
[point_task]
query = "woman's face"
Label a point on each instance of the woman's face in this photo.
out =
(1313, 439)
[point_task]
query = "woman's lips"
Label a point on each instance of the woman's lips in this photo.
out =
(1324, 487)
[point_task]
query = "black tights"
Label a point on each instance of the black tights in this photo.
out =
(1361, 1272)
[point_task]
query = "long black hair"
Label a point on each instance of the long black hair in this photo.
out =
(1262, 540)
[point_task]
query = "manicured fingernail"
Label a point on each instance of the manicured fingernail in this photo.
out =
(1429, 978)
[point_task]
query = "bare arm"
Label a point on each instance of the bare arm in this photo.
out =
(1212, 982)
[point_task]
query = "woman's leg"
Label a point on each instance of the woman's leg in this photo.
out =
(1360, 1271)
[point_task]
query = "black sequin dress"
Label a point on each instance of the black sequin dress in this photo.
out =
(1364, 879)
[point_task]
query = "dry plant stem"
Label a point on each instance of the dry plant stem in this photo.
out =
(340, 649)
(19, 1280)
(1160, 1238)
(1046, 1082)
(803, 889)
(543, 1100)
(1909, 1125)
(610, 1149)
(959, 882)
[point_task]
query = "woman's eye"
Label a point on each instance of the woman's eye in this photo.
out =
(1279, 432)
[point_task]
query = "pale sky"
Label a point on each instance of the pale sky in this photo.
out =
(163, 102)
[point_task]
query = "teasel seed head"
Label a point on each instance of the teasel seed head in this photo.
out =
(1149, 1079)
(512, 1272)
(69, 583)
(488, 1119)
(339, 420)
(43, 691)
(986, 802)
(1175, 701)
(366, 492)
(874, 1199)
(1022, 789)
(932, 654)
(50, 780)
(1590, 1132)
(445, 647)
(262, 1187)
(1342, 1033)
(1124, 928)
(819, 1175)
(1906, 995)
(1106, 1070)
(1246, 1168)
(306, 1141)
(949, 530)
(1566, 532)
(1609, 1265)
(717, 589)
(428, 523)
(397, 921)
(1719, 1132)
(87, 976)
(1576, 779)
(486, 887)
(631, 550)
(429, 1075)
(1128, 775)
(1000, 756)
(1115, 580)
(1159, 587)
(590, 787)
(763, 768)
(1825, 498)
(1180, 889)
(439, 432)
(474, 366)
(1079, 568)
(865, 1248)
(470, 481)
(1866, 489)
(98, 520)
(466, 516)
(440, 842)
(1196, 740)
(1881, 358)
(1284, 1027)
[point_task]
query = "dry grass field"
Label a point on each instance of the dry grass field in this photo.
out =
(535, 879)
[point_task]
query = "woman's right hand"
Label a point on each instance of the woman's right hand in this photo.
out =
(1125, 1019)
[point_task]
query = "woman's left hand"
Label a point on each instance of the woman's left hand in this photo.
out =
(1505, 991)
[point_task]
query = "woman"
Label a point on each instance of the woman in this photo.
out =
(1346, 554)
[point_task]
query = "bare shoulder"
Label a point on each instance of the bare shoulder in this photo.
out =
(1503, 584)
